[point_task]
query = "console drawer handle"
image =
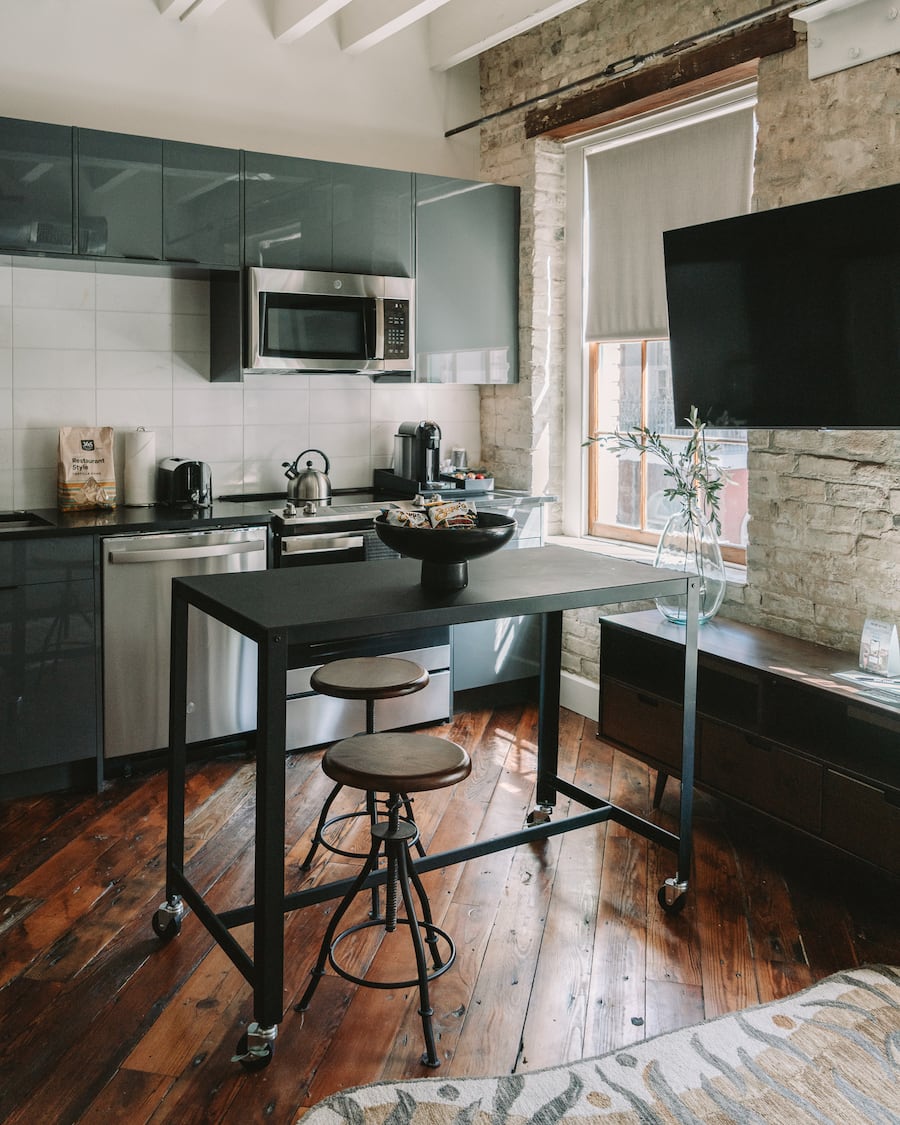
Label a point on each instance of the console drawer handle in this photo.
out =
(758, 743)
(647, 700)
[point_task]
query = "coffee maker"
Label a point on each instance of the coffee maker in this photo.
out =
(417, 452)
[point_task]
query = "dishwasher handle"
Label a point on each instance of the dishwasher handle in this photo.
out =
(171, 554)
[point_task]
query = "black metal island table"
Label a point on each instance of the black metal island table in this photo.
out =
(287, 613)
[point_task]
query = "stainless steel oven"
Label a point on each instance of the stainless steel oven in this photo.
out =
(334, 534)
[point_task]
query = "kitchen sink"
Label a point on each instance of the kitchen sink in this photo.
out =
(21, 521)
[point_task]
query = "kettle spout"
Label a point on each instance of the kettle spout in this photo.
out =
(291, 468)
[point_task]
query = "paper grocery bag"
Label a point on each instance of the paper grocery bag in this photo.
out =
(87, 475)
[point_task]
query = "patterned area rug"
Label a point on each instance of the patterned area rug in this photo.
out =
(829, 1055)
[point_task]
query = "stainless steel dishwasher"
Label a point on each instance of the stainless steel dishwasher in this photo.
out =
(137, 600)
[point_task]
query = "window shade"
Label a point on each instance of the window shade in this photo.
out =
(642, 185)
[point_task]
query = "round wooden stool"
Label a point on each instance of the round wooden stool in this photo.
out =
(396, 763)
(369, 678)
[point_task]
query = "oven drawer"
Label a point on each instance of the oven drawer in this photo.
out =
(316, 719)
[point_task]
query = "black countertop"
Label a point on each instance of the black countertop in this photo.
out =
(230, 512)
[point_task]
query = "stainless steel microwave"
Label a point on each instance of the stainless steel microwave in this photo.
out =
(303, 320)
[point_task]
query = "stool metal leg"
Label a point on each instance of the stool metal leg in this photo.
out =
(318, 970)
(430, 1057)
(320, 824)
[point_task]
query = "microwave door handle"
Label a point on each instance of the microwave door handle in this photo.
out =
(378, 351)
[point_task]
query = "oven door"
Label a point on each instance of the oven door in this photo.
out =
(321, 548)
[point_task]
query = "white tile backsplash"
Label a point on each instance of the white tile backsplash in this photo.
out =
(134, 369)
(329, 405)
(53, 406)
(127, 331)
(34, 368)
(210, 405)
(53, 328)
(86, 345)
(128, 409)
(36, 288)
(117, 293)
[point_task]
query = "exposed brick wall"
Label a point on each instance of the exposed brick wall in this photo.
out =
(824, 549)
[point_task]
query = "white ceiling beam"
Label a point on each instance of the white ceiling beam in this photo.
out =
(195, 10)
(469, 27)
(173, 9)
(292, 19)
(362, 24)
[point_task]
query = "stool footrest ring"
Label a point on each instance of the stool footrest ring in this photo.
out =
(432, 935)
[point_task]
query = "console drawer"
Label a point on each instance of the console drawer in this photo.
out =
(863, 819)
(762, 774)
(644, 723)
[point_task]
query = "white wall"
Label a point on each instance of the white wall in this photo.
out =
(83, 346)
(79, 346)
(119, 65)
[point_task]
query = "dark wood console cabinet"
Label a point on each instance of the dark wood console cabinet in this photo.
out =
(776, 731)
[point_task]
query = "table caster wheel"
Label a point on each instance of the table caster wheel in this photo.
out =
(672, 896)
(540, 815)
(255, 1047)
(166, 921)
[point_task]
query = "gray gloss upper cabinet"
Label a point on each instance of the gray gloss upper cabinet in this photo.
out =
(287, 212)
(372, 220)
(119, 195)
(201, 204)
(36, 187)
(467, 281)
(317, 215)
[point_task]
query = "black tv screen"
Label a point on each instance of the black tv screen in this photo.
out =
(789, 318)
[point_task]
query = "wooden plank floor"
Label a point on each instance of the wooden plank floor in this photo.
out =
(563, 951)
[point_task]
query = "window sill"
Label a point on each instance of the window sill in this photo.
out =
(635, 552)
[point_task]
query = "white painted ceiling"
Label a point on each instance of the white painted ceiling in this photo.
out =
(455, 30)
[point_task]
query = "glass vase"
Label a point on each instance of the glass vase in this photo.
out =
(689, 544)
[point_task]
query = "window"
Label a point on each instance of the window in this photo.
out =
(684, 165)
(631, 386)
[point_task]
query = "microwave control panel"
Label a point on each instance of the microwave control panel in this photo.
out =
(396, 329)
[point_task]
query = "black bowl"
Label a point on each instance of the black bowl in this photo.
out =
(445, 551)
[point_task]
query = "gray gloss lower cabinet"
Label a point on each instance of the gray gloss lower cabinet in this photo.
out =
(48, 654)
(508, 649)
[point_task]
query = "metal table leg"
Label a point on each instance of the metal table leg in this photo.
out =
(255, 1049)
(167, 919)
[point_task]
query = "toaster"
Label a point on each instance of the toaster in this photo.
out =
(184, 484)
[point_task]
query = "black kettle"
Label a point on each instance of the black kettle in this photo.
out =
(308, 485)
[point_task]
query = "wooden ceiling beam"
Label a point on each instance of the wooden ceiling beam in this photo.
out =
(692, 70)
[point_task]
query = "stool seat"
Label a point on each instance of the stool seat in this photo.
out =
(369, 677)
(396, 762)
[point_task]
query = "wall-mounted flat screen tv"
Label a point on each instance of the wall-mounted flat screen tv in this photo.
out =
(789, 318)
